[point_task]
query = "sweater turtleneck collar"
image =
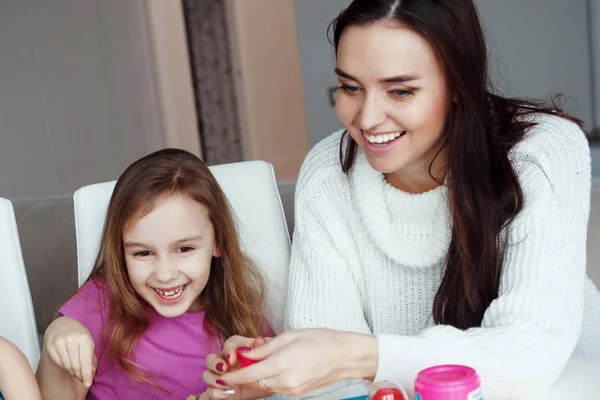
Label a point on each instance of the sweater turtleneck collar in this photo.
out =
(412, 229)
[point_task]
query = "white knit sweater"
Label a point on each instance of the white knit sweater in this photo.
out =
(368, 258)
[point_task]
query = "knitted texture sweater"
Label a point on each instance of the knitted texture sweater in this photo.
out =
(369, 258)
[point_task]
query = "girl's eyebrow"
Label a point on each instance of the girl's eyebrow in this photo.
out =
(134, 244)
(178, 241)
(195, 238)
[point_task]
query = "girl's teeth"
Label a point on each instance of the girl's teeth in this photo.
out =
(170, 293)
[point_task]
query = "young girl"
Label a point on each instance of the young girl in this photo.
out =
(170, 283)
(16, 377)
(446, 224)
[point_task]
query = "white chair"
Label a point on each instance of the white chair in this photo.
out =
(17, 319)
(252, 192)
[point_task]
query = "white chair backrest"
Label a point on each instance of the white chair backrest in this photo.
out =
(17, 319)
(252, 192)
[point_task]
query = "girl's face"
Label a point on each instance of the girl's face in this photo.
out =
(393, 99)
(168, 253)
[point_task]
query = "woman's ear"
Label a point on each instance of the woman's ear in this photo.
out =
(217, 252)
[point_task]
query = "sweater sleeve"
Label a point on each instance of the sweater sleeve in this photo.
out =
(324, 283)
(529, 332)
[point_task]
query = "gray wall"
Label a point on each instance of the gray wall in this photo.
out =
(76, 103)
(317, 61)
(595, 151)
(538, 47)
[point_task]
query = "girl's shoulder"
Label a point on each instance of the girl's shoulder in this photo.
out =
(89, 305)
(95, 290)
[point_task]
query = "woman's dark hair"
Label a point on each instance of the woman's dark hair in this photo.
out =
(481, 128)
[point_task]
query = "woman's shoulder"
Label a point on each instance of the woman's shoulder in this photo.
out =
(322, 165)
(553, 161)
(552, 136)
(555, 144)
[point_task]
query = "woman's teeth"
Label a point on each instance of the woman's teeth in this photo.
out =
(381, 139)
(170, 293)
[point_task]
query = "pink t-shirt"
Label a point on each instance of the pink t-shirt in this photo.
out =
(173, 350)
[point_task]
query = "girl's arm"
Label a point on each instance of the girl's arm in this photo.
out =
(16, 377)
(67, 343)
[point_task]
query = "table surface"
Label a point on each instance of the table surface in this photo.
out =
(579, 380)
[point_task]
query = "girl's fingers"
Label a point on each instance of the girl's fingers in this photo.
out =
(64, 358)
(231, 344)
(214, 381)
(216, 364)
(215, 393)
(86, 358)
(73, 351)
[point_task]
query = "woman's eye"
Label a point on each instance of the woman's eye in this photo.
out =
(349, 89)
(401, 93)
(144, 253)
(185, 249)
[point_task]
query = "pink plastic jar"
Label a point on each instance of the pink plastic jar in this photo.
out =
(448, 382)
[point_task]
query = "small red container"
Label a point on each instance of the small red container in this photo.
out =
(386, 390)
(244, 362)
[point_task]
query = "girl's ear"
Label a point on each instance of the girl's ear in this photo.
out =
(217, 251)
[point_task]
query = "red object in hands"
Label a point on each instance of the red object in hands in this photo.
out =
(388, 394)
(244, 362)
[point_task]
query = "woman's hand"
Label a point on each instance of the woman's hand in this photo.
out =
(226, 361)
(300, 361)
(71, 346)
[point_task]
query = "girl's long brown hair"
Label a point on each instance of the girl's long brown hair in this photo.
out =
(481, 128)
(234, 296)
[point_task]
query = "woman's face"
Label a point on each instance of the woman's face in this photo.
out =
(393, 100)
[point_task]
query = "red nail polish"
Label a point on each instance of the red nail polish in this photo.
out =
(244, 349)
(227, 357)
(220, 367)
(221, 382)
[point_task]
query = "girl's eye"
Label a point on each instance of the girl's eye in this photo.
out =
(185, 249)
(144, 253)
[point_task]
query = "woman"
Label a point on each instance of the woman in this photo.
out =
(446, 224)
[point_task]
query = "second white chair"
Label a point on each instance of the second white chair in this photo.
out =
(17, 319)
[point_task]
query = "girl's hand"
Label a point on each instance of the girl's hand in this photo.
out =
(226, 361)
(203, 396)
(70, 346)
(300, 361)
